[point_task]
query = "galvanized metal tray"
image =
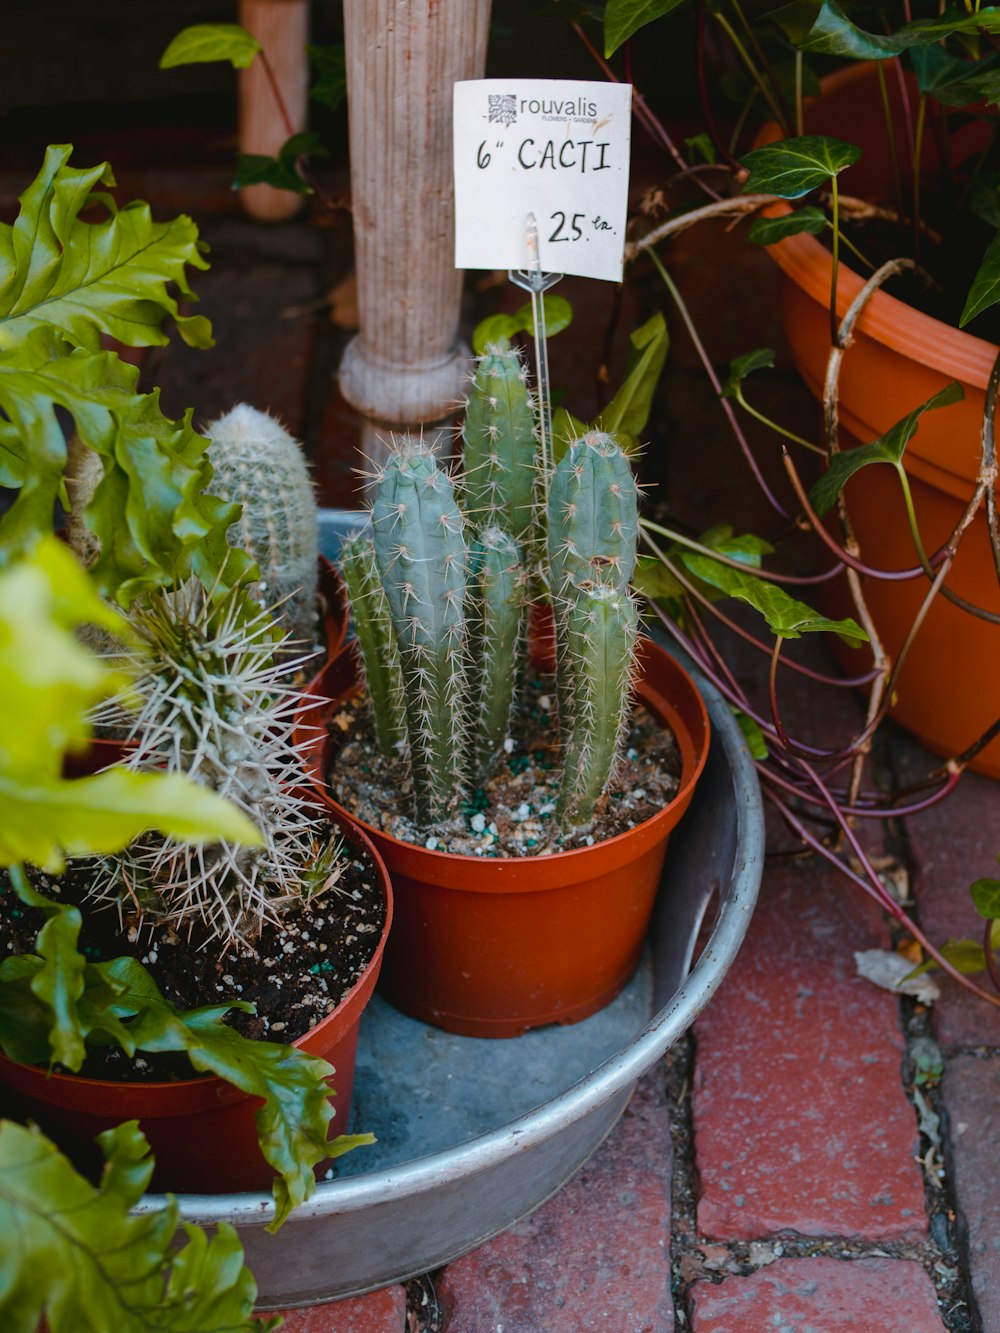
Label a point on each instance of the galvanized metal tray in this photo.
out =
(474, 1134)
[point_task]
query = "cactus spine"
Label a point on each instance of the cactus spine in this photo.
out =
(376, 641)
(213, 704)
(421, 555)
(601, 625)
(499, 457)
(497, 578)
(257, 464)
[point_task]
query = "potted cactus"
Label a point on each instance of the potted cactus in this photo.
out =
(495, 939)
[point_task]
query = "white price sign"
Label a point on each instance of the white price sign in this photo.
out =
(554, 148)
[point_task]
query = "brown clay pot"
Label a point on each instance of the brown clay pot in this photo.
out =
(898, 359)
(491, 948)
(202, 1130)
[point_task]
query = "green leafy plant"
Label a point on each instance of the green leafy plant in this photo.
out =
(74, 268)
(288, 170)
(937, 74)
(65, 281)
(87, 1264)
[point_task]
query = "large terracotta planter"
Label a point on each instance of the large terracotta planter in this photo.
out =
(202, 1130)
(899, 358)
(491, 948)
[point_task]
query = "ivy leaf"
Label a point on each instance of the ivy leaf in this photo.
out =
(629, 409)
(84, 1262)
(282, 171)
(785, 616)
(822, 26)
(88, 278)
(954, 80)
(150, 513)
(986, 897)
(985, 289)
(768, 231)
(331, 68)
(761, 358)
(888, 448)
(793, 167)
(203, 43)
(623, 18)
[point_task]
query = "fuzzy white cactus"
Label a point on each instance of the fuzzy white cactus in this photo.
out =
(212, 704)
(259, 465)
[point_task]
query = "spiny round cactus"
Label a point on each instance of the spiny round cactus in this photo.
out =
(499, 458)
(213, 704)
(421, 557)
(257, 464)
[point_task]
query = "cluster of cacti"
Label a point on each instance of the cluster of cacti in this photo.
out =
(257, 464)
(439, 593)
(209, 701)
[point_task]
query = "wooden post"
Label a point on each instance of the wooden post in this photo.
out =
(405, 365)
(282, 28)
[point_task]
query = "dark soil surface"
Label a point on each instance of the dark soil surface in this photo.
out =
(300, 972)
(948, 252)
(513, 813)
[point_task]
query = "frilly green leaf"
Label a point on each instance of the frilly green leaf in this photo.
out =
(84, 279)
(85, 1263)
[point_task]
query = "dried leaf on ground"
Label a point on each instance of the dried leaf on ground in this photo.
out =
(892, 972)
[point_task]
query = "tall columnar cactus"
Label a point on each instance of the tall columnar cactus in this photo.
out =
(593, 515)
(499, 457)
(601, 624)
(421, 556)
(376, 641)
(258, 464)
(592, 535)
(212, 704)
(496, 616)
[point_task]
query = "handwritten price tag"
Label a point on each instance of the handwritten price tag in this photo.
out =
(557, 148)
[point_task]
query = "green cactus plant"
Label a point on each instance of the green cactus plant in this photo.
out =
(454, 612)
(213, 703)
(421, 557)
(592, 533)
(376, 641)
(259, 465)
(601, 624)
(496, 620)
(499, 457)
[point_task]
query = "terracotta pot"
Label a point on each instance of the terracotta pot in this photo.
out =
(898, 359)
(202, 1130)
(491, 948)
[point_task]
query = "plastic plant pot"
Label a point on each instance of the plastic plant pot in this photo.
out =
(495, 947)
(202, 1130)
